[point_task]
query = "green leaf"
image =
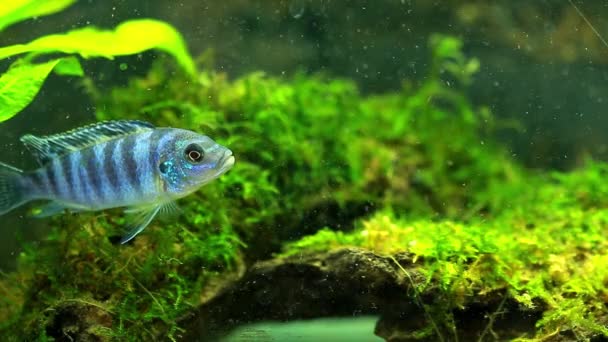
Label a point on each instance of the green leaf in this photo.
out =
(20, 84)
(128, 38)
(69, 66)
(18, 10)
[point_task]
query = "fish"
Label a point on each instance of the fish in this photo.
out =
(128, 164)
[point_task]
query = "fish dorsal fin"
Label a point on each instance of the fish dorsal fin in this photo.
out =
(52, 146)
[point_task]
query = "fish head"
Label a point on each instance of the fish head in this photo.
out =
(192, 161)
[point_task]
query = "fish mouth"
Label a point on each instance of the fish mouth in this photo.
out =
(226, 162)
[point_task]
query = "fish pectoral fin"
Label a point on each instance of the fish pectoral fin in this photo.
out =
(137, 210)
(48, 210)
(170, 209)
(140, 222)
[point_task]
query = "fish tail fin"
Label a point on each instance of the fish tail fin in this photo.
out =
(13, 192)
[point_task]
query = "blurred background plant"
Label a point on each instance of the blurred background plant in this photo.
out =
(24, 78)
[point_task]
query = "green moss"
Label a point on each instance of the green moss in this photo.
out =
(317, 142)
(547, 251)
(143, 288)
(311, 152)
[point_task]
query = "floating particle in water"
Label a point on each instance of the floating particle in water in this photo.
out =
(123, 66)
(296, 8)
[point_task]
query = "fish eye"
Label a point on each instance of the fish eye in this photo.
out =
(194, 153)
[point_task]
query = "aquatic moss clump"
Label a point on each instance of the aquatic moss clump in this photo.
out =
(547, 253)
(77, 282)
(311, 151)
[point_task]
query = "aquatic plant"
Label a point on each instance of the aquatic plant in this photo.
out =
(546, 253)
(19, 10)
(415, 170)
(77, 275)
(330, 153)
(290, 166)
(20, 84)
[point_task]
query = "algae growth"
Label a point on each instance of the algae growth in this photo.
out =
(412, 171)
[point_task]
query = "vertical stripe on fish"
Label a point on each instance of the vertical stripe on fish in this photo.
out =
(39, 183)
(124, 189)
(130, 165)
(110, 170)
(75, 165)
(105, 190)
(142, 155)
(50, 176)
(88, 192)
(63, 190)
(154, 161)
(93, 178)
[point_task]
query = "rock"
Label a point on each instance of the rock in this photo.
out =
(78, 321)
(344, 282)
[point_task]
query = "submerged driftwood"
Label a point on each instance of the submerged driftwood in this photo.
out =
(349, 282)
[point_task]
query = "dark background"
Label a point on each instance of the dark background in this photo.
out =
(541, 64)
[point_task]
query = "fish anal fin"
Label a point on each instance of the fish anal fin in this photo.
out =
(48, 210)
(54, 208)
(52, 146)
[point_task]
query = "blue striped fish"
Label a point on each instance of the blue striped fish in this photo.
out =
(114, 164)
